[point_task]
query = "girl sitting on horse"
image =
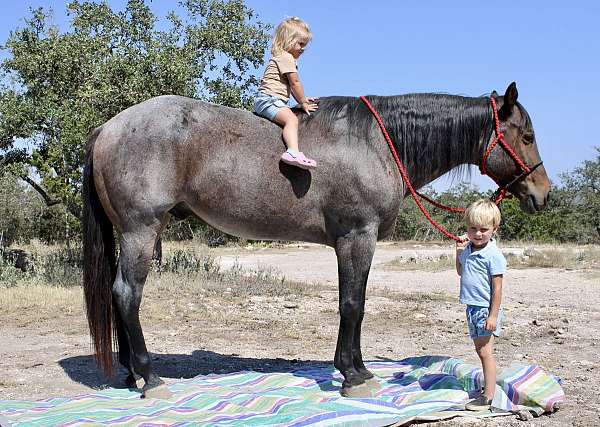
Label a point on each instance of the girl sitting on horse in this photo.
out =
(279, 81)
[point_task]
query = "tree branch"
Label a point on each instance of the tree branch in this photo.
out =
(73, 208)
(47, 199)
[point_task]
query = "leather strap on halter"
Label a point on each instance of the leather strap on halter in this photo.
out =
(499, 194)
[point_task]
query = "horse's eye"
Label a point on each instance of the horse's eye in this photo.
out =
(527, 138)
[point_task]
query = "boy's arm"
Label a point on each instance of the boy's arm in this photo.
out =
(490, 324)
(460, 246)
(307, 104)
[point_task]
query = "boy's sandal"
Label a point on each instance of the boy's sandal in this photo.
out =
(482, 403)
(300, 161)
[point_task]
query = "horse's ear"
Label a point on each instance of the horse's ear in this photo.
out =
(511, 95)
(510, 100)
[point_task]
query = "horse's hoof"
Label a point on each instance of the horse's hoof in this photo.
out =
(136, 382)
(157, 392)
(358, 391)
(373, 384)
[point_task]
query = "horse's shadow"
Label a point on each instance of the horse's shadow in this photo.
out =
(83, 369)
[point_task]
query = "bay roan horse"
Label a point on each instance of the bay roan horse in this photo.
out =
(172, 155)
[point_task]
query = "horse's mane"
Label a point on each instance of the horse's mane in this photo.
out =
(430, 131)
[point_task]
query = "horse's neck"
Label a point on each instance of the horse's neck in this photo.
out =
(448, 132)
(432, 133)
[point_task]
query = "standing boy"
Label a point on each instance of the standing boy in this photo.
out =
(481, 265)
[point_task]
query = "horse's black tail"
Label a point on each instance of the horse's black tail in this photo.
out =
(99, 265)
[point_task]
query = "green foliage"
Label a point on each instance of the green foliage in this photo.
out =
(193, 228)
(559, 222)
(182, 261)
(61, 267)
(18, 211)
(9, 274)
(584, 191)
(56, 86)
(572, 215)
(411, 224)
(24, 216)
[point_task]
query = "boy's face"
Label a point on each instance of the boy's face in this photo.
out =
(480, 235)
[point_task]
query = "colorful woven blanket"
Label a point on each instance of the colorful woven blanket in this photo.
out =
(429, 387)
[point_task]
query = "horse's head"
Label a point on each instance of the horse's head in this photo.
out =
(530, 183)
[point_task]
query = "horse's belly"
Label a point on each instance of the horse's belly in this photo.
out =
(255, 212)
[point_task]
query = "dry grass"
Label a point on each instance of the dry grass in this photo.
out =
(565, 256)
(440, 263)
(196, 287)
(572, 258)
(217, 296)
(190, 279)
(409, 297)
(591, 275)
(35, 301)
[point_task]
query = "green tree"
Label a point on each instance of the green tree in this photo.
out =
(583, 186)
(19, 209)
(411, 224)
(55, 87)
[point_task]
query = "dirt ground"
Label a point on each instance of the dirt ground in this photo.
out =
(552, 319)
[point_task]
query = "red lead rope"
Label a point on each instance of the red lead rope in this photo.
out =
(405, 175)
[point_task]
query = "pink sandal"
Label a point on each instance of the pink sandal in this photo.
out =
(300, 161)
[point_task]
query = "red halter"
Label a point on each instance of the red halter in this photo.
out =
(525, 170)
(498, 195)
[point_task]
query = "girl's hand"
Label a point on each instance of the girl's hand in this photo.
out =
(310, 104)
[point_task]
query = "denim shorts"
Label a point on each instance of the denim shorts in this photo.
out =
(268, 106)
(476, 317)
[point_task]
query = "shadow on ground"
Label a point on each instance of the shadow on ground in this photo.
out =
(83, 369)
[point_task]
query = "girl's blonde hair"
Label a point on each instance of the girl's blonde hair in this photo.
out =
(290, 30)
(483, 212)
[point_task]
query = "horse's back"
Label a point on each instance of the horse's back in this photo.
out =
(216, 160)
(172, 116)
(223, 164)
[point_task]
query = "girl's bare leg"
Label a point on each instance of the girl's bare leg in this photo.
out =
(286, 118)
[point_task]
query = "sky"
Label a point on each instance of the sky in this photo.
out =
(551, 49)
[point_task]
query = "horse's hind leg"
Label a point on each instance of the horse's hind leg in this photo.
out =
(125, 352)
(135, 258)
(355, 253)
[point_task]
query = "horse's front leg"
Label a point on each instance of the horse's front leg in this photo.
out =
(354, 253)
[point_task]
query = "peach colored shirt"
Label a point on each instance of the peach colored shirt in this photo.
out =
(274, 81)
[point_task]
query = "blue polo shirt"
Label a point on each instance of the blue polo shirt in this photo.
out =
(477, 270)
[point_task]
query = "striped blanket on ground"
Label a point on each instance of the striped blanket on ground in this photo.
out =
(428, 387)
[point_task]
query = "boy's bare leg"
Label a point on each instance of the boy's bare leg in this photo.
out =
(484, 347)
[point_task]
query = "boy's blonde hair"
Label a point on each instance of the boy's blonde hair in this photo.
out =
(287, 32)
(483, 212)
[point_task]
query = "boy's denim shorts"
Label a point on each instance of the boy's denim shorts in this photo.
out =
(476, 317)
(268, 106)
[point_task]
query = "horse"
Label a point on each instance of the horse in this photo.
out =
(176, 156)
